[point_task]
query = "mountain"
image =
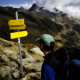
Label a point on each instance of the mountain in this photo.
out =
(36, 9)
(57, 15)
(36, 25)
(8, 8)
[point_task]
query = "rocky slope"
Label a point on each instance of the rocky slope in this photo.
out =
(10, 61)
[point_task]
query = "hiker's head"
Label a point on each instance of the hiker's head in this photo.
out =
(46, 42)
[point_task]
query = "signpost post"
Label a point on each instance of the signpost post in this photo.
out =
(19, 48)
(18, 24)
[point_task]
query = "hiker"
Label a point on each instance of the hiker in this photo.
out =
(51, 68)
(74, 65)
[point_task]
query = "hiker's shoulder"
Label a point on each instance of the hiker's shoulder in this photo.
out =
(48, 69)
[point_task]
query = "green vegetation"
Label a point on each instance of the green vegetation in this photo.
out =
(36, 25)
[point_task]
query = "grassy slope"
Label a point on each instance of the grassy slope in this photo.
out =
(38, 25)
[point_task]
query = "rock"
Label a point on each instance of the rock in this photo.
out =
(36, 50)
(26, 78)
(13, 63)
(16, 75)
(34, 66)
(4, 44)
(39, 75)
(25, 54)
(33, 76)
(28, 58)
(12, 55)
(5, 71)
(5, 59)
(14, 69)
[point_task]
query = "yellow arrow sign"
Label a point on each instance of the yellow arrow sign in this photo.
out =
(16, 22)
(17, 27)
(18, 34)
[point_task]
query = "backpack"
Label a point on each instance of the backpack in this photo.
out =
(74, 65)
(62, 55)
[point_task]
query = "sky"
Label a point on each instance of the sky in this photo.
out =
(71, 7)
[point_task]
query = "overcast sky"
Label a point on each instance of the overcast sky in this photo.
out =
(71, 7)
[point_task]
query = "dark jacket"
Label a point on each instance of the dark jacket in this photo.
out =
(74, 65)
(57, 66)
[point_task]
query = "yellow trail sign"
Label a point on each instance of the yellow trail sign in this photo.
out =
(16, 22)
(16, 27)
(18, 34)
